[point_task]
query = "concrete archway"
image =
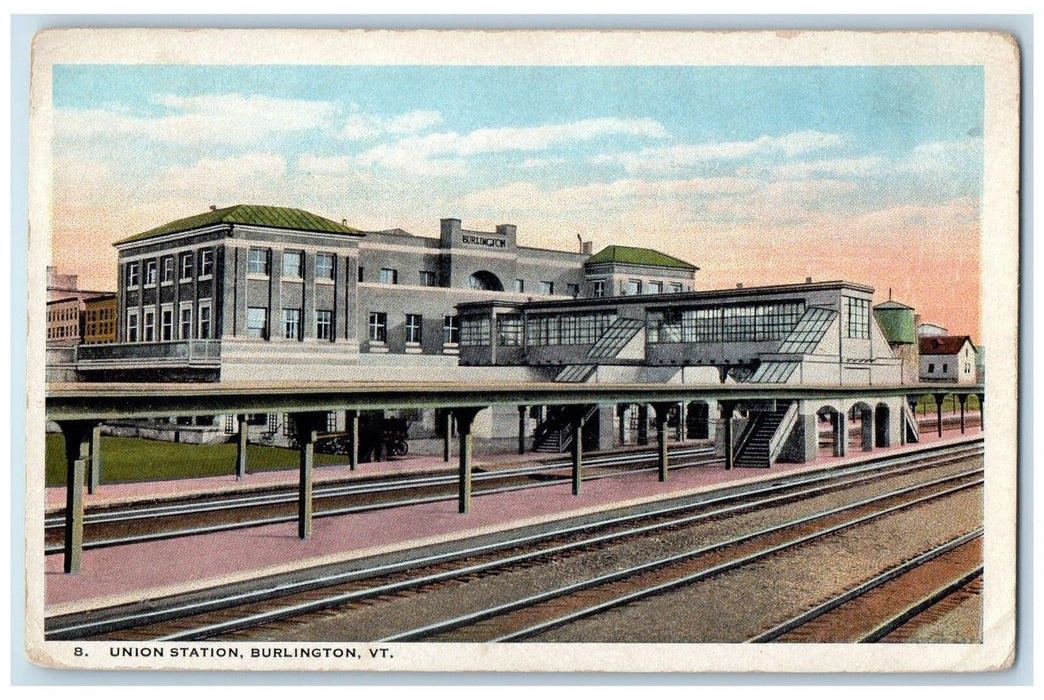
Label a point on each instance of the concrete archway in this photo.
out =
(830, 430)
(697, 421)
(864, 413)
(882, 425)
(485, 280)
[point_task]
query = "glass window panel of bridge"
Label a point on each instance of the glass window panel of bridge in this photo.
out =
(775, 321)
(738, 323)
(509, 329)
(474, 331)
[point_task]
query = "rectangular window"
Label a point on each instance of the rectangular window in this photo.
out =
(150, 273)
(167, 269)
(257, 261)
(632, 287)
(599, 288)
(474, 331)
(257, 322)
(324, 324)
(427, 278)
(292, 264)
(378, 327)
(167, 324)
(149, 326)
(451, 330)
(509, 329)
(546, 288)
(573, 290)
(324, 266)
(360, 275)
(132, 326)
(520, 286)
(204, 321)
(656, 288)
(292, 324)
(858, 317)
(674, 288)
(206, 262)
(413, 328)
(946, 368)
(931, 367)
(133, 274)
(186, 266)
(388, 276)
(186, 322)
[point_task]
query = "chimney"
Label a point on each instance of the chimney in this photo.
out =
(808, 280)
(587, 248)
(213, 207)
(739, 285)
(344, 222)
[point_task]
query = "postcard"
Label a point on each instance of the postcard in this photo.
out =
(657, 351)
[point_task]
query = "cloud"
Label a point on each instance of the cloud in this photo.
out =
(418, 154)
(230, 118)
(659, 159)
(260, 177)
(944, 157)
(359, 126)
(840, 167)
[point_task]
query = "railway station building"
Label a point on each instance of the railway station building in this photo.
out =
(276, 294)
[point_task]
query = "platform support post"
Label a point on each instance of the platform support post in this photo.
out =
(352, 419)
(306, 425)
(938, 411)
(522, 429)
(643, 424)
(962, 398)
(867, 429)
(241, 447)
(465, 417)
(621, 414)
(447, 435)
(982, 412)
(576, 432)
(662, 410)
(841, 434)
(94, 473)
(727, 407)
(77, 436)
(680, 432)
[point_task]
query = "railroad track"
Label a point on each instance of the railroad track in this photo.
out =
(232, 613)
(204, 514)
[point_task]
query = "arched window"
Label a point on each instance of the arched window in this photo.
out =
(486, 281)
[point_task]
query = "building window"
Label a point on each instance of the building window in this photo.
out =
(204, 321)
(132, 326)
(546, 288)
(360, 275)
(206, 262)
(509, 329)
(133, 272)
(167, 269)
(292, 264)
(413, 328)
(674, 288)
(474, 331)
(149, 326)
(931, 367)
(378, 327)
(167, 324)
(632, 287)
(946, 368)
(388, 276)
(599, 288)
(257, 261)
(292, 324)
(450, 330)
(186, 266)
(656, 288)
(257, 322)
(520, 286)
(573, 290)
(324, 325)
(427, 278)
(150, 273)
(858, 317)
(186, 321)
(568, 329)
(324, 266)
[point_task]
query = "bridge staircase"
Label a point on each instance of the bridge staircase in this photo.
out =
(911, 426)
(553, 434)
(762, 441)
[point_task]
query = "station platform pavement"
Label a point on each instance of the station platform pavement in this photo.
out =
(136, 572)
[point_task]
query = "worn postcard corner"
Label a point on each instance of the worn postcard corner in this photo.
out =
(522, 351)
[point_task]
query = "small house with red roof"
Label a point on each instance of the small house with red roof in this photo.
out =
(947, 358)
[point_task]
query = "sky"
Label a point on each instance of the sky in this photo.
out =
(758, 175)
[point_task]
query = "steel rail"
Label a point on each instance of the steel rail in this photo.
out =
(928, 601)
(478, 616)
(863, 588)
(843, 478)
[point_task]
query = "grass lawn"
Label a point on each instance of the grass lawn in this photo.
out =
(134, 459)
(926, 406)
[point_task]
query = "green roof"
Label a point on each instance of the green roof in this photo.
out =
(637, 256)
(252, 215)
